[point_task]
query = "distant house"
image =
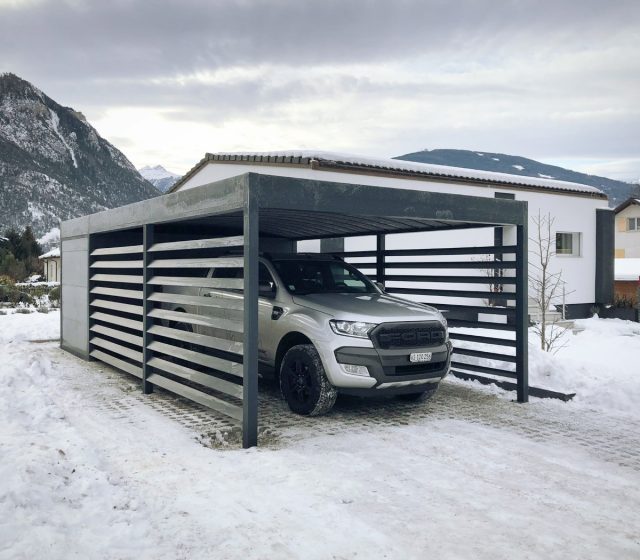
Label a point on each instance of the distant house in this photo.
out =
(52, 265)
(582, 233)
(628, 229)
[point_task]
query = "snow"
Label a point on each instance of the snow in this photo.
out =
(156, 172)
(518, 167)
(427, 169)
(55, 122)
(627, 269)
(51, 254)
(599, 364)
(52, 236)
(495, 159)
(81, 477)
(546, 176)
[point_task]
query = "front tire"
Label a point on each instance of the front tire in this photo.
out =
(303, 382)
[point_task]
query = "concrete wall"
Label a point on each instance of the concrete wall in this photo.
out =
(75, 295)
(574, 214)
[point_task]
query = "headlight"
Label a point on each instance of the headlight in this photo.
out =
(352, 328)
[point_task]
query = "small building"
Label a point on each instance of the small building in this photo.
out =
(52, 265)
(628, 229)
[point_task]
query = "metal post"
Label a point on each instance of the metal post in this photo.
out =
(380, 263)
(91, 245)
(522, 322)
(147, 322)
(250, 354)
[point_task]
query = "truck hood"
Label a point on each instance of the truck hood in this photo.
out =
(373, 308)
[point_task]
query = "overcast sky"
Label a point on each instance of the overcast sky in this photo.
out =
(166, 81)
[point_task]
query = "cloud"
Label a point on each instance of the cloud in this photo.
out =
(536, 78)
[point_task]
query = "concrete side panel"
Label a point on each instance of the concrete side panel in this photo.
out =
(74, 228)
(74, 327)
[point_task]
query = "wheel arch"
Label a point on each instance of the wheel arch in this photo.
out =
(287, 342)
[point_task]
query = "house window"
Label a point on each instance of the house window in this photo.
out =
(633, 224)
(568, 244)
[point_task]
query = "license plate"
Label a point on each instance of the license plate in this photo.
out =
(420, 357)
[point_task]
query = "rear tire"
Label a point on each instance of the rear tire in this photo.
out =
(421, 396)
(303, 382)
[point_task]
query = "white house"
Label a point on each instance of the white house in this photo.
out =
(628, 229)
(582, 230)
(52, 265)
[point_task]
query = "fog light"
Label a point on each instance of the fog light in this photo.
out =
(355, 370)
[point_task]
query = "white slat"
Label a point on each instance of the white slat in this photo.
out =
(209, 401)
(134, 309)
(117, 264)
(118, 292)
(120, 321)
(222, 262)
(221, 283)
(216, 306)
(117, 363)
(117, 278)
(210, 381)
(201, 339)
(220, 364)
(129, 249)
(115, 333)
(236, 241)
(192, 319)
(116, 348)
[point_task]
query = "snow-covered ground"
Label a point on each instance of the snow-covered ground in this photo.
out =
(471, 475)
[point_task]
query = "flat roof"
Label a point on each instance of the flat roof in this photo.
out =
(341, 162)
(293, 208)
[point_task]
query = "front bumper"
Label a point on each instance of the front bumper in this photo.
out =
(389, 370)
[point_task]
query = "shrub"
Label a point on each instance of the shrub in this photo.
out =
(24, 310)
(54, 297)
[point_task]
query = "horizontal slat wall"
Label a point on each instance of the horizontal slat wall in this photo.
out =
(476, 294)
(193, 332)
(115, 299)
(195, 321)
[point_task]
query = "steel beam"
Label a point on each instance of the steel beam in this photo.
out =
(250, 353)
(522, 313)
(147, 306)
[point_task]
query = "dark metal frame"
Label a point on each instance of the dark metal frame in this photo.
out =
(284, 208)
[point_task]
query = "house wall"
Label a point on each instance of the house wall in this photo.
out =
(627, 242)
(572, 214)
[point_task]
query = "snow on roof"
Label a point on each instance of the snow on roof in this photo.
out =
(51, 254)
(409, 166)
(627, 269)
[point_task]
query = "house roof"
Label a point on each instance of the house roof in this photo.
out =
(333, 161)
(55, 252)
(626, 204)
(627, 269)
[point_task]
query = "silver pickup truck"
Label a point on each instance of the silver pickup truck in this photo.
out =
(325, 328)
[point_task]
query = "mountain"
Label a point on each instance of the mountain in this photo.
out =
(617, 191)
(54, 165)
(159, 177)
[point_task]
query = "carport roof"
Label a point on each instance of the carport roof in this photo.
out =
(307, 209)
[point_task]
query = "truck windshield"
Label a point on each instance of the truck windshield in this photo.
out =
(322, 277)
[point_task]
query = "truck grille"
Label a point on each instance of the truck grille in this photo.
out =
(408, 335)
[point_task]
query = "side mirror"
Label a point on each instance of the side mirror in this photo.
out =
(380, 286)
(267, 290)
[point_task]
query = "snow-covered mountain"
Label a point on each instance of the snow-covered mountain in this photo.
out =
(53, 163)
(617, 191)
(159, 177)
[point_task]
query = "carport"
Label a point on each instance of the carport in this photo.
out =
(119, 267)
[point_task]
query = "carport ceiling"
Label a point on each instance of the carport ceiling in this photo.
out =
(303, 224)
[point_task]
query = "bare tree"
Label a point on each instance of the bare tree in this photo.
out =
(545, 285)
